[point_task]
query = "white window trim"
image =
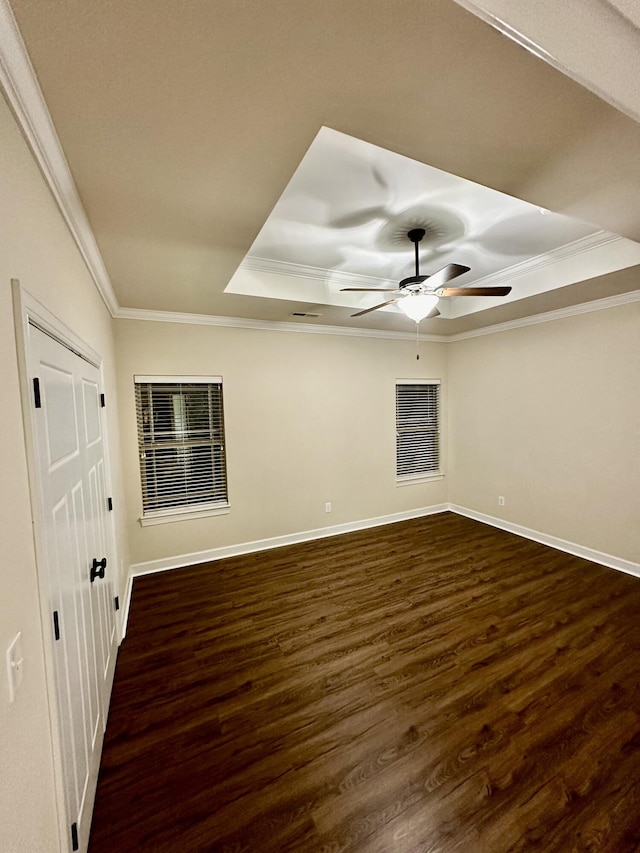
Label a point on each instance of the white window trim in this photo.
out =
(417, 479)
(167, 516)
(195, 511)
(172, 380)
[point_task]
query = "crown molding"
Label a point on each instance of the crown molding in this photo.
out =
(25, 98)
(349, 279)
(547, 259)
(142, 314)
(269, 325)
(548, 316)
(596, 240)
(591, 13)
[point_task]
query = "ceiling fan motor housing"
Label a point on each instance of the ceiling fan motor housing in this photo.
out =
(414, 282)
(412, 290)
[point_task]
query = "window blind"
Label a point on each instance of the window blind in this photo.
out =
(417, 428)
(181, 444)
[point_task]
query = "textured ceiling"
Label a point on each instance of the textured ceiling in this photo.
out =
(595, 42)
(183, 123)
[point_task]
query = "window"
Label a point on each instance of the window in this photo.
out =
(181, 445)
(417, 428)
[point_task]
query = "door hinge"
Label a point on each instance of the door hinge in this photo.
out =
(117, 602)
(102, 403)
(36, 393)
(74, 837)
(56, 625)
(110, 504)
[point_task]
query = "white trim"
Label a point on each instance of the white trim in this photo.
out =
(29, 311)
(539, 262)
(182, 509)
(267, 325)
(541, 53)
(126, 606)
(339, 277)
(321, 274)
(182, 515)
(21, 323)
(25, 97)
(141, 314)
(182, 560)
(179, 379)
(416, 479)
(551, 541)
(548, 316)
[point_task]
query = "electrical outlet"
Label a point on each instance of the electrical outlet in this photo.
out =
(500, 500)
(327, 506)
(15, 665)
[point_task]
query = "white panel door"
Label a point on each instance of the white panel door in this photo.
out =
(103, 589)
(74, 502)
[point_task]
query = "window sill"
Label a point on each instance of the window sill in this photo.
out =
(182, 515)
(411, 480)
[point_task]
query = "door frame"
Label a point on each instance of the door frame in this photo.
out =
(27, 310)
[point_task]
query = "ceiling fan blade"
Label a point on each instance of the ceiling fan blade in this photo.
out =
(366, 310)
(473, 291)
(445, 274)
(369, 289)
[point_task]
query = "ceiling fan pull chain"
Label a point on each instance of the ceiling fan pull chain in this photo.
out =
(417, 344)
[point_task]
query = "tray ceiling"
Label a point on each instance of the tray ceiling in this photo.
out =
(186, 126)
(342, 221)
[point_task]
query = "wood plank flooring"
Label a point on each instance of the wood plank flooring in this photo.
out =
(426, 687)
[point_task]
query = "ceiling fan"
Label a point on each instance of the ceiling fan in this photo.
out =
(418, 295)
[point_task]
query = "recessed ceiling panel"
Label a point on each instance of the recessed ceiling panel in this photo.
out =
(343, 219)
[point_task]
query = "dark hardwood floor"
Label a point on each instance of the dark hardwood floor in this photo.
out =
(430, 686)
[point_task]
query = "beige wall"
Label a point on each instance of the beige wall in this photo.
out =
(37, 249)
(309, 418)
(546, 415)
(549, 417)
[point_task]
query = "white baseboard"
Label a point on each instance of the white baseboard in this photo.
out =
(179, 561)
(138, 569)
(552, 541)
(126, 605)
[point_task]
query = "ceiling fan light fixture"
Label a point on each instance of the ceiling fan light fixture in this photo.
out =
(416, 306)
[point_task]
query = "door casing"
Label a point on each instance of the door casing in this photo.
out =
(28, 310)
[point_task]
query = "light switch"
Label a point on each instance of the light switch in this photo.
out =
(15, 665)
